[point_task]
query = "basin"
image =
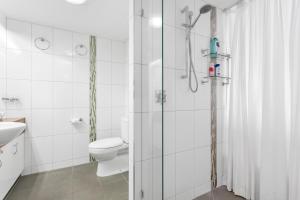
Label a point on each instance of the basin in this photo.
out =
(10, 130)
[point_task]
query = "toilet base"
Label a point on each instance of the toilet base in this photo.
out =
(115, 166)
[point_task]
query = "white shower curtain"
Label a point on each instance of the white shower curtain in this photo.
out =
(294, 164)
(261, 141)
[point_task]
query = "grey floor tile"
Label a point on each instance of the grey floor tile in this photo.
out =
(220, 193)
(74, 183)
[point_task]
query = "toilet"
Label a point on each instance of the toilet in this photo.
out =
(111, 153)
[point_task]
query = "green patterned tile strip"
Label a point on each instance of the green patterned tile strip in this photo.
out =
(92, 91)
(213, 108)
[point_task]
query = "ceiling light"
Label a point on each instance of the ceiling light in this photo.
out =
(76, 2)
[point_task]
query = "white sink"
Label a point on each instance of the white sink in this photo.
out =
(10, 130)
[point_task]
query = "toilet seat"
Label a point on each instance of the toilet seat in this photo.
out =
(106, 143)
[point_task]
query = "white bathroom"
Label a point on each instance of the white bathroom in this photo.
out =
(149, 100)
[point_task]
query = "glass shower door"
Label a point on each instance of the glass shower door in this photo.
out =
(148, 99)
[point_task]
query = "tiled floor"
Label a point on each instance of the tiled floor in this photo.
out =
(220, 193)
(77, 183)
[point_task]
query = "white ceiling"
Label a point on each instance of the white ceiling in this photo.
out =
(108, 18)
(222, 3)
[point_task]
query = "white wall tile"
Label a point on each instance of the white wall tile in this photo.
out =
(169, 132)
(2, 94)
(18, 64)
(184, 97)
(42, 122)
(18, 35)
(180, 49)
(104, 47)
(81, 95)
(103, 73)
(42, 150)
(169, 12)
(80, 145)
(202, 166)
(118, 73)
(104, 118)
(118, 95)
(42, 67)
(63, 95)
(27, 154)
(61, 121)
(169, 46)
(62, 68)
(147, 180)
(184, 130)
(170, 89)
(157, 133)
(118, 51)
(104, 96)
(202, 128)
(63, 42)
(202, 97)
(147, 146)
(137, 131)
(2, 63)
(184, 171)
(42, 94)
(169, 176)
(81, 70)
(157, 39)
(2, 31)
(117, 114)
(62, 148)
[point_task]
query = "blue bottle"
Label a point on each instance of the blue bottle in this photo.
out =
(214, 45)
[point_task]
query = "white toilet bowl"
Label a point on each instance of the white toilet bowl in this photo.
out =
(111, 153)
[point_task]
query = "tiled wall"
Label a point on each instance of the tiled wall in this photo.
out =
(186, 115)
(53, 87)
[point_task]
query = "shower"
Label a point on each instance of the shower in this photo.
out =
(189, 25)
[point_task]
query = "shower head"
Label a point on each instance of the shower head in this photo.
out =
(204, 9)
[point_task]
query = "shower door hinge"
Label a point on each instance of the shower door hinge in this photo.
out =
(141, 14)
(142, 194)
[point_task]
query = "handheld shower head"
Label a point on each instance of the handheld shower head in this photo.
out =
(204, 9)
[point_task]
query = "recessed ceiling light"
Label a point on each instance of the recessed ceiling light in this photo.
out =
(76, 2)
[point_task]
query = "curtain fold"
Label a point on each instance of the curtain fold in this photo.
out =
(258, 113)
(294, 164)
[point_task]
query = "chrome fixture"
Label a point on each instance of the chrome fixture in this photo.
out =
(41, 43)
(189, 25)
(12, 99)
(160, 96)
(81, 50)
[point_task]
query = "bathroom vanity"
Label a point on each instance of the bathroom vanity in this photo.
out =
(11, 161)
